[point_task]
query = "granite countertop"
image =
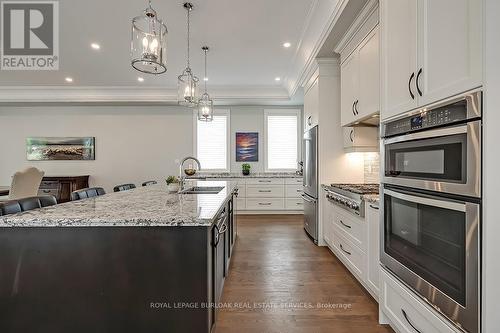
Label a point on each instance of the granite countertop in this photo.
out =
(141, 207)
(251, 175)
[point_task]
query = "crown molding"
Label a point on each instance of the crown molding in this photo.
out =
(325, 15)
(133, 94)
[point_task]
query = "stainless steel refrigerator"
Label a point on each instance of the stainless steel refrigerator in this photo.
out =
(310, 182)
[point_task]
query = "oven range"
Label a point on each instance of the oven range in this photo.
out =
(350, 196)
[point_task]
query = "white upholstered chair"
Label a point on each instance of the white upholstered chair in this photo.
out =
(25, 183)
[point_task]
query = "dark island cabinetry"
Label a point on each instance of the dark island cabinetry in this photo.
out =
(114, 278)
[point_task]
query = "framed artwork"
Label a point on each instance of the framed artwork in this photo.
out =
(247, 147)
(60, 149)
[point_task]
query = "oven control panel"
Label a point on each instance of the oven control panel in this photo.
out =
(427, 119)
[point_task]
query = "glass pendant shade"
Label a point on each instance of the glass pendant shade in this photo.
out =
(149, 43)
(187, 94)
(205, 108)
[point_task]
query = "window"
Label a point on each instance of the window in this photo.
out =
(212, 142)
(282, 132)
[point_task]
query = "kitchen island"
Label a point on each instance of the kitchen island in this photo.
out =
(142, 260)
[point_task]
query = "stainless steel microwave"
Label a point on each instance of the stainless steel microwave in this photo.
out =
(437, 148)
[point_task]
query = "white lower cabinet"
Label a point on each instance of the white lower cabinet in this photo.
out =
(372, 218)
(406, 312)
(269, 195)
(265, 204)
(354, 241)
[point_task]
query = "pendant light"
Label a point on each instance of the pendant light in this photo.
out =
(148, 48)
(187, 93)
(205, 104)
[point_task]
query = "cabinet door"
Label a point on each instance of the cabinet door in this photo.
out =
(449, 48)
(373, 221)
(369, 76)
(398, 28)
(349, 76)
(311, 105)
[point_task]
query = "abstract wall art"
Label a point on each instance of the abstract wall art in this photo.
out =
(247, 147)
(56, 148)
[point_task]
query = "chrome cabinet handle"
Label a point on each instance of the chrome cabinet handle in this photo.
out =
(265, 191)
(264, 203)
(350, 135)
(409, 322)
(345, 225)
(409, 85)
(356, 107)
(352, 108)
(264, 181)
(418, 81)
(349, 253)
(374, 207)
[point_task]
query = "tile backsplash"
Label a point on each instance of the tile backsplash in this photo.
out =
(371, 167)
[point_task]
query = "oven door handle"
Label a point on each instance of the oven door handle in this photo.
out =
(433, 133)
(460, 207)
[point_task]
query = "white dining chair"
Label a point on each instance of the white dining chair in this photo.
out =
(25, 183)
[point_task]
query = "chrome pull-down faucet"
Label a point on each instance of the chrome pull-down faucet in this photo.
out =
(182, 177)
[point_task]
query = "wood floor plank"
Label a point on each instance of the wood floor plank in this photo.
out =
(279, 281)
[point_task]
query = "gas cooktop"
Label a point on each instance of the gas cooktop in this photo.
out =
(350, 196)
(358, 188)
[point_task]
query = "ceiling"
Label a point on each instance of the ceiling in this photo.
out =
(245, 38)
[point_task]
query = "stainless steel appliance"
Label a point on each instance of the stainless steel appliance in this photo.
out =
(431, 204)
(350, 196)
(437, 148)
(310, 182)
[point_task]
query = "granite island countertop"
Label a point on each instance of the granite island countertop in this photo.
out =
(202, 175)
(141, 207)
(371, 198)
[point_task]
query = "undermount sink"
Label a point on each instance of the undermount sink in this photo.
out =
(202, 190)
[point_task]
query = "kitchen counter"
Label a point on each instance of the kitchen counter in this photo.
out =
(140, 207)
(251, 175)
(371, 198)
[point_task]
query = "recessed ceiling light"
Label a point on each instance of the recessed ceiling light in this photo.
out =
(277, 79)
(287, 44)
(205, 78)
(95, 46)
(69, 79)
(140, 79)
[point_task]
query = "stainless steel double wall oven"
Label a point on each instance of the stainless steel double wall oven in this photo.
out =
(431, 203)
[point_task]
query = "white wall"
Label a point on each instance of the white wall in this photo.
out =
(491, 180)
(133, 143)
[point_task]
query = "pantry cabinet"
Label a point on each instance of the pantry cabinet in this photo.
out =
(431, 50)
(311, 103)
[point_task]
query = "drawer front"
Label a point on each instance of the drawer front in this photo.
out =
(265, 191)
(54, 184)
(265, 181)
(406, 310)
(240, 204)
(240, 181)
(293, 191)
(49, 191)
(351, 255)
(293, 181)
(294, 204)
(354, 229)
(265, 204)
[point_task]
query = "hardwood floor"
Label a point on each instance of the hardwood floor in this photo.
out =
(278, 277)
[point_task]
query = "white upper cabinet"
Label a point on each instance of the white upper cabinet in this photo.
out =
(369, 75)
(311, 104)
(398, 28)
(449, 48)
(349, 83)
(360, 68)
(431, 50)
